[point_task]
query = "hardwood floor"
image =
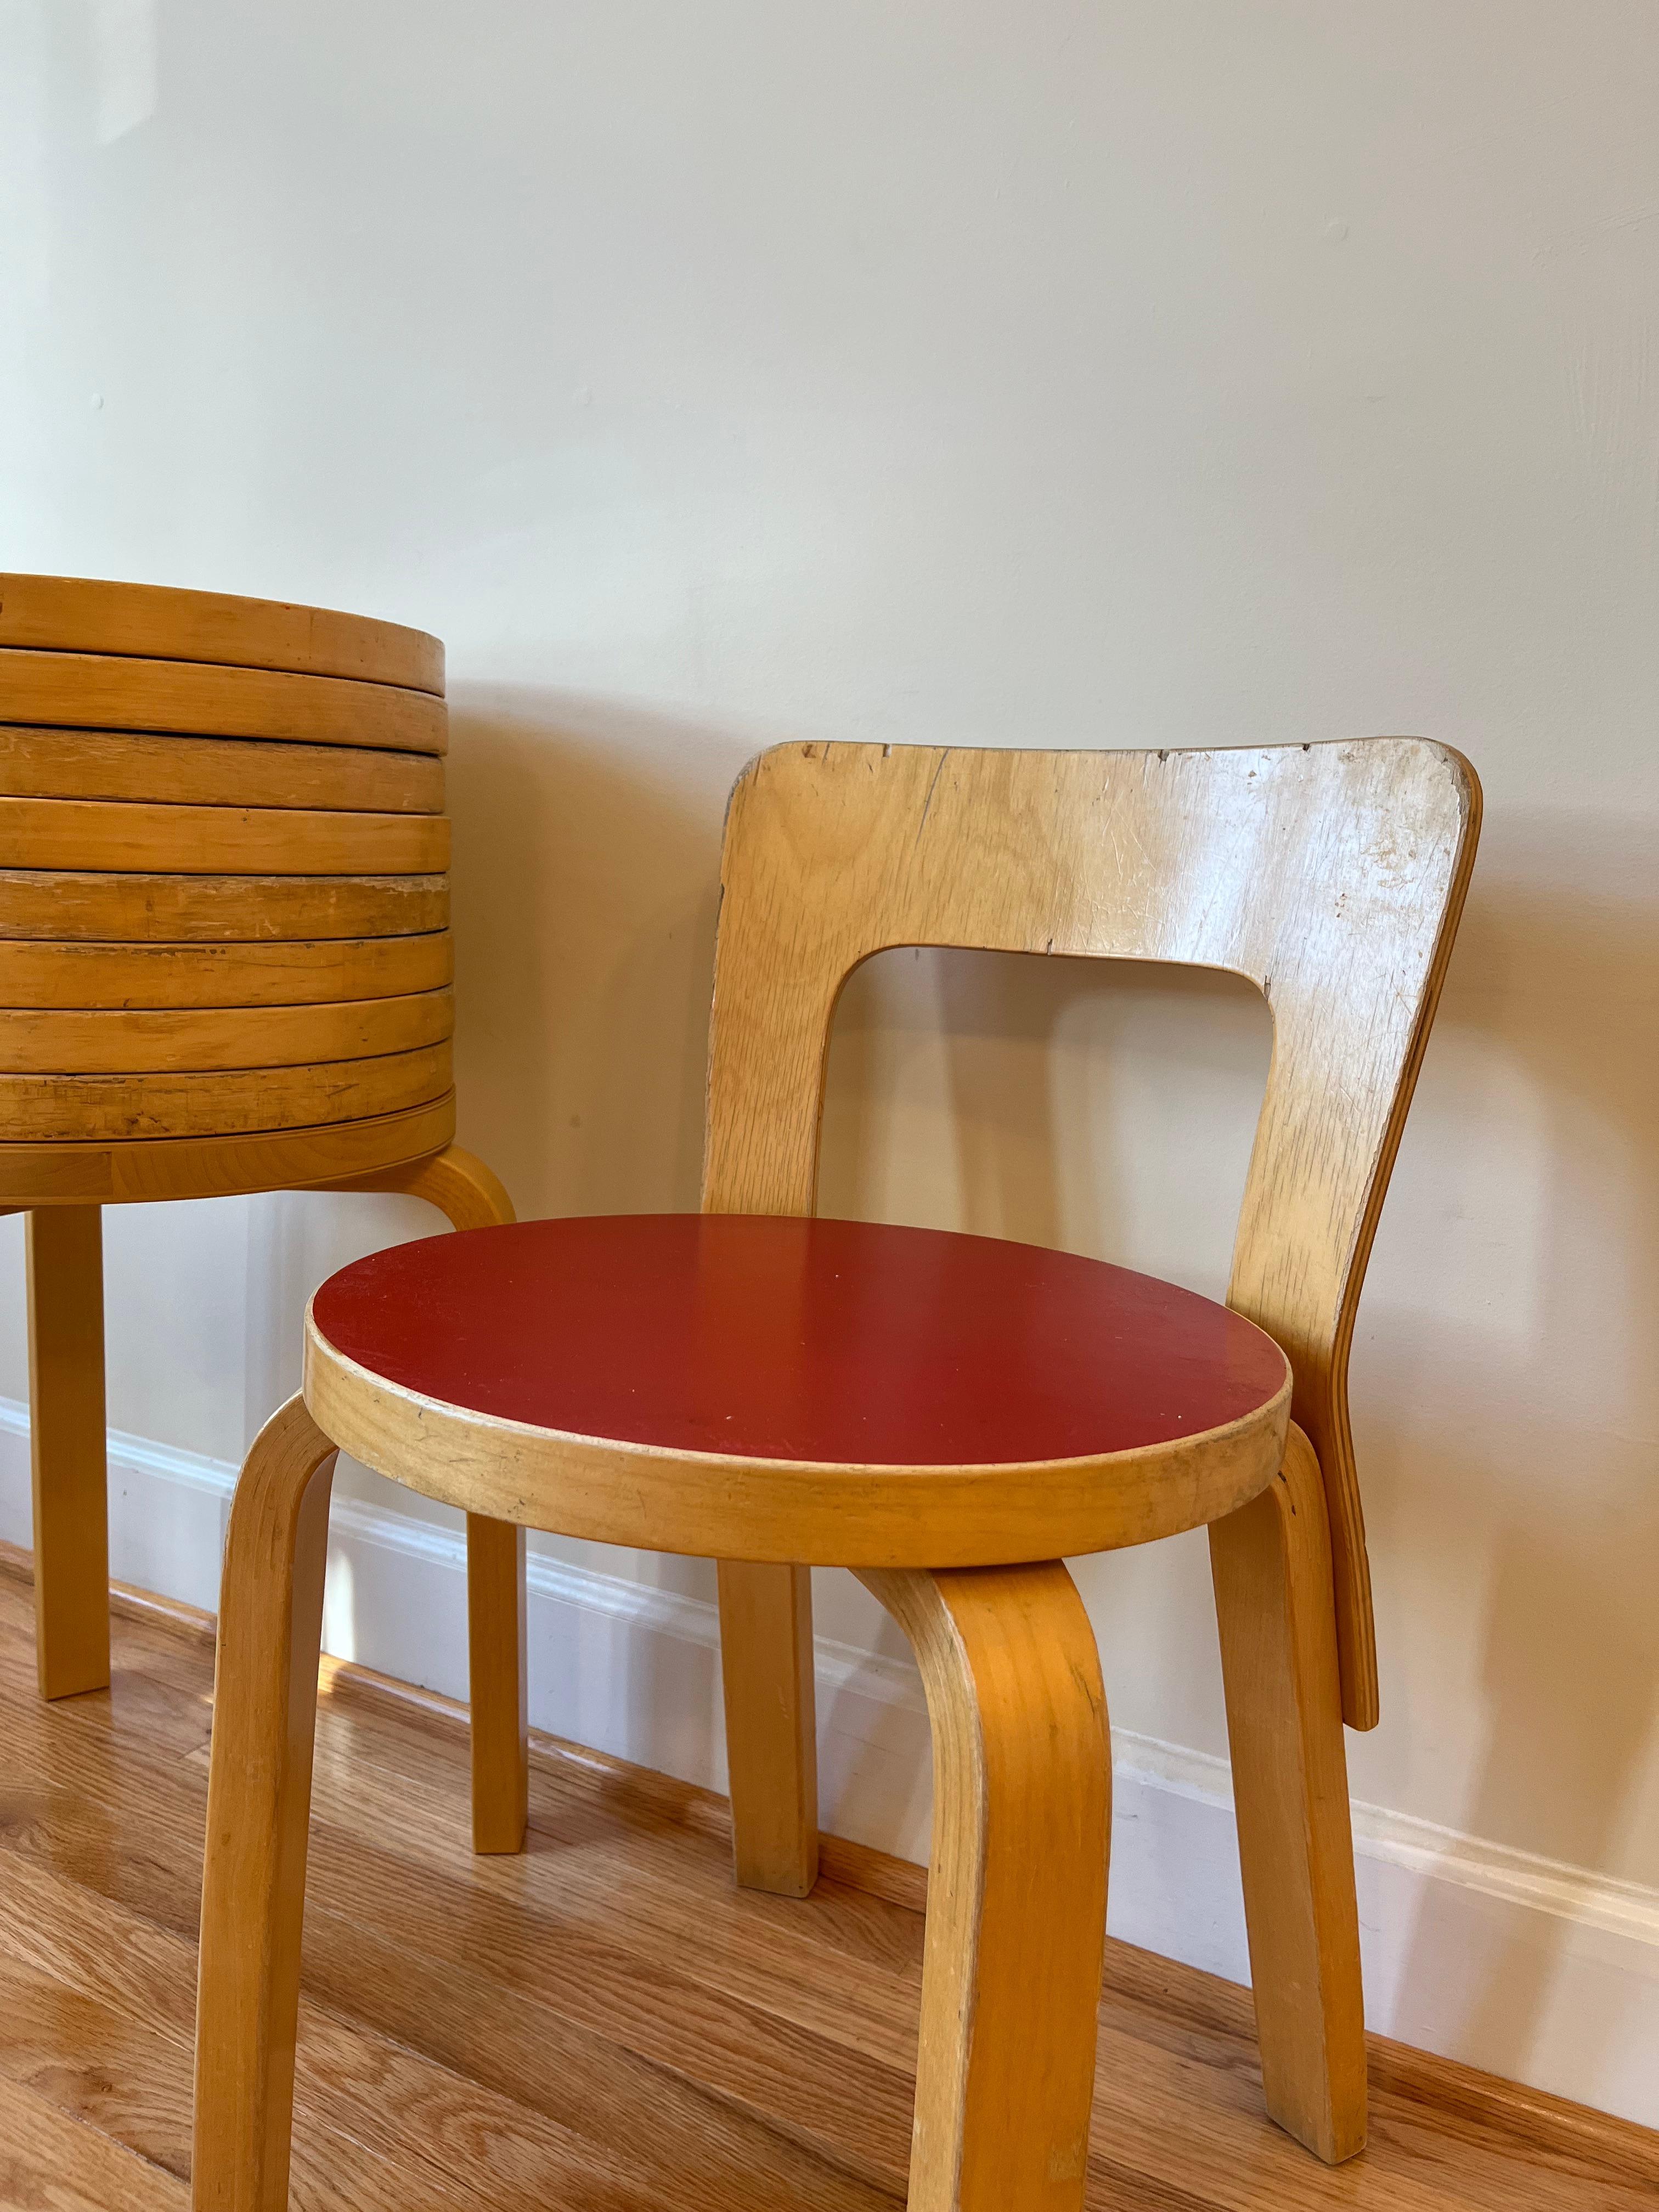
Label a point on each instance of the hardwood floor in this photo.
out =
(605, 2024)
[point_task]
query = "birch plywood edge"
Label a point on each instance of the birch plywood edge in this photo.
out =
(120, 836)
(54, 763)
(82, 905)
(63, 974)
(109, 691)
(142, 1170)
(1331, 875)
(178, 1040)
(84, 614)
(225, 1102)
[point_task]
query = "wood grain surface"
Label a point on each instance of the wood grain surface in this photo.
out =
(84, 614)
(1017, 1918)
(117, 837)
(68, 1482)
(128, 909)
(1272, 1568)
(48, 763)
(37, 973)
(92, 1108)
(178, 1040)
(106, 691)
(258, 1819)
(605, 2023)
(141, 1171)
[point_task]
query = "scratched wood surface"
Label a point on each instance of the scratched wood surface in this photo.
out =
(606, 2023)
(85, 614)
(50, 905)
(122, 836)
(142, 1170)
(132, 764)
(112, 691)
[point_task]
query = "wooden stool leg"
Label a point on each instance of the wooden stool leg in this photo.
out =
(67, 1449)
(771, 1747)
(464, 1189)
(1272, 1566)
(498, 1682)
(458, 1184)
(1017, 1894)
(265, 1713)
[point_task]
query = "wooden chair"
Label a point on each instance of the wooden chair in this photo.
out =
(950, 1416)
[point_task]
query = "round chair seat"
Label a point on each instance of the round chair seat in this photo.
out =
(776, 1388)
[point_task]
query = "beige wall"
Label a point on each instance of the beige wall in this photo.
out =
(1054, 373)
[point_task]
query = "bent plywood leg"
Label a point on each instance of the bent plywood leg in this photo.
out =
(464, 1189)
(67, 1449)
(265, 1713)
(1017, 1894)
(1271, 1565)
(458, 1184)
(771, 1745)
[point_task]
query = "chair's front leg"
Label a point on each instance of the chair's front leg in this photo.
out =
(462, 1188)
(67, 1449)
(1016, 1894)
(265, 1713)
(1272, 1566)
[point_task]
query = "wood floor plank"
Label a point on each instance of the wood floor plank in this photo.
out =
(49, 2161)
(513, 2054)
(99, 2065)
(469, 1919)
(756, 1950)
(516, 2047)
(374, 2118)
(742, 1946)
(605, 2022)
(1157, 2108)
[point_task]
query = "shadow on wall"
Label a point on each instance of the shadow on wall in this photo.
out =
(1012, 1095)
(585, 884)
(1538, 1472)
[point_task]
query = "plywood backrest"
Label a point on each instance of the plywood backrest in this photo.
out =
(1331, 875)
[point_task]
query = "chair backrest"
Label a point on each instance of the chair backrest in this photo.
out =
(1331, 875)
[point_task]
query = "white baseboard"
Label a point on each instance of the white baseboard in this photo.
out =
(1545, 1972)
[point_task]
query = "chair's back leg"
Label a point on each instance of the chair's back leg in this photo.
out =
(264, 1712)
(472, 1197)
(67, 1449)
(1272, 1566)
(498, 1682)
(771, 1748)
(1017, 1893)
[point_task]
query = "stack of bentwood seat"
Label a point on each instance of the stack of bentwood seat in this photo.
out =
(224, 966)
(224, 950)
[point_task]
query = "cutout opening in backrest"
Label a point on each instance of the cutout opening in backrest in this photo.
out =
(1100, 1106)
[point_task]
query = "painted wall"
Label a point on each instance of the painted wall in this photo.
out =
(1057, 374)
